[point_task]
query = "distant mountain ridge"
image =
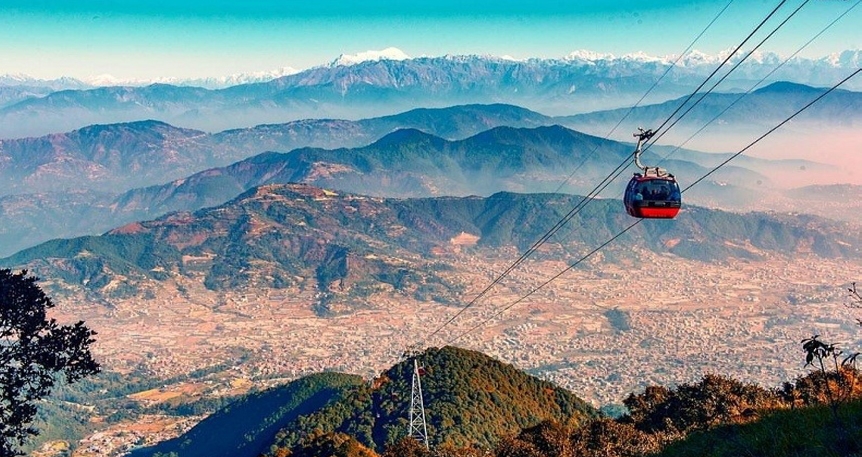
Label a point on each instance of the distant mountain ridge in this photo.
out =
(847, 59)
(581, 83)
(485, 159)
(412, 163)
(209, 82)
(105, 156)
(759, 110)
(349, 247)
(135, 154)
(123, 156)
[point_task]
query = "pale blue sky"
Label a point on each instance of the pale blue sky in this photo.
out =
(191, 39)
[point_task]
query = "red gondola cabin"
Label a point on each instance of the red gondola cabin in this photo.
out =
(653, 197)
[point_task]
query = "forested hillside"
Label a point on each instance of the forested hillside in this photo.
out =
(470, 399)
(349, 246)
(478, 406)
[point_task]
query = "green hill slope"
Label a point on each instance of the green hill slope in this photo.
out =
(802, 432)
(247, 426)
(469, 398)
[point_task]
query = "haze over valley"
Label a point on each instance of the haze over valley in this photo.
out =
(267, 214)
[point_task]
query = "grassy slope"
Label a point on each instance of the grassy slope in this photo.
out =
(802, 432)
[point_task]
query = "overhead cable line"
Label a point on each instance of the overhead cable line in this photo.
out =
(524, 297)
(591, 196)
(732, 69)
(586, 199)
(755, 85)
(735, 66)
(858, 70)
(744, 94)
(593, 193)
(542, 240)
(726, 59)
(644, 96)
(573, 265)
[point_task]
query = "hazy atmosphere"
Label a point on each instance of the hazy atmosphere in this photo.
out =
(435, 229)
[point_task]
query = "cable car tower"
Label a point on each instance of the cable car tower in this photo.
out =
(418, 428)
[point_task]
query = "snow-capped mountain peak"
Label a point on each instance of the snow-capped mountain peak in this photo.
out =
(634, 63)
(643, 57)
(695, 58)
(390, 53)
(845, 59)
(588, 56)
(20, 79)
(238, 78)
(511, 59)
(104, 80)
(215, 82)
(9, 79)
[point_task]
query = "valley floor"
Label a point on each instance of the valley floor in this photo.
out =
(602, 331)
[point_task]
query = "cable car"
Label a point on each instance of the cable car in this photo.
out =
(653, 194)
(653, 197)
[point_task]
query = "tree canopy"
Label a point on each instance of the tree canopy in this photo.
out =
(34, 351)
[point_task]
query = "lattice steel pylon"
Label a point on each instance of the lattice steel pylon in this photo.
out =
(418, 429)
